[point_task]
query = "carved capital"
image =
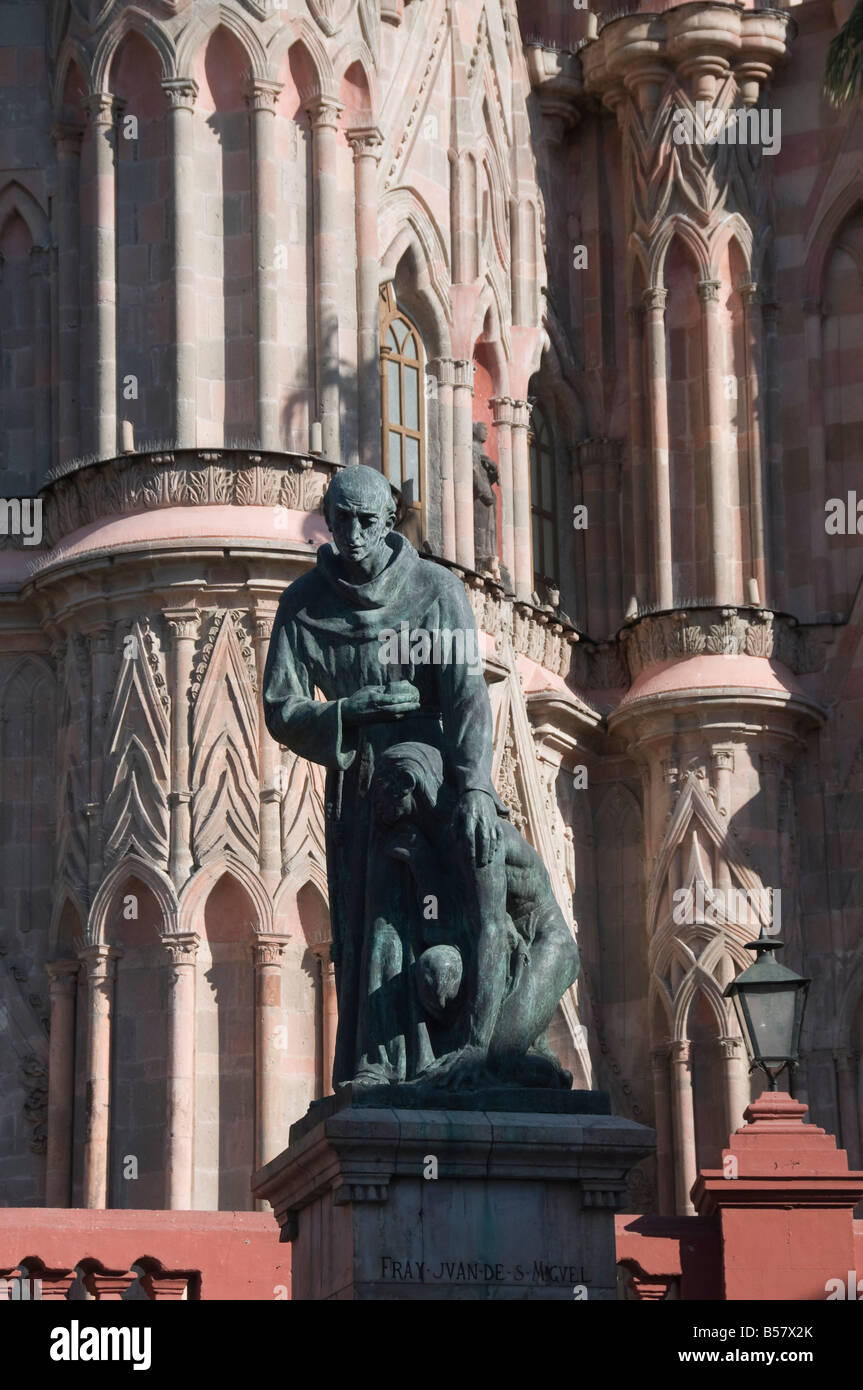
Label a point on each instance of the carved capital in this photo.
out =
(680, 1051)
(722, 758)
(463, 374)
(520, 415)
(323, 112)
(503, 409)
(181, 622)
(444, 370)
(366, 142)
(181, 947)
(101, 108)
(98, 960)
(63, 977)
(67, 137)
(708, 291)
(654, 297)
(263, 95)
(731, 1048)
(181, 93)
(268, 949)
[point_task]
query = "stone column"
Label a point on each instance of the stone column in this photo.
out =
(101, 647)
(523, 572)
(659, 471)
(848, 1105)
(324, 114)
(269, 1014)
(329, 1015)
(715, 420)
(270, 760)
(262, 102)
(100, 222)
(502, 407)
(40, 290)
(592, 457)
(770, 316)
(813, 311)
(685, 1171)
(98, 962)
(664, 1133)
(181, 950)
(638, 499)
(67, 139)
(735, 1065)
(181, 93)
(366, 144)
(462, 431)
(759, 539)
(182, 626)
(444, 369)
(63, 976)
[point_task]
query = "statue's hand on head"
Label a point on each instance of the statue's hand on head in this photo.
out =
(374, 700)
(476, 826)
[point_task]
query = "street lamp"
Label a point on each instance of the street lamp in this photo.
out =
(769, 1000)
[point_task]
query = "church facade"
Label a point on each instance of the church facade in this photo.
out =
(588, 288)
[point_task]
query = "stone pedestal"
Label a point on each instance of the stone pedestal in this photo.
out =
(502, 1202)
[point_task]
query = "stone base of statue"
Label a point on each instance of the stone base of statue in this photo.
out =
(505, 1194)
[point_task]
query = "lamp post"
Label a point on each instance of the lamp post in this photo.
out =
(769, 1000)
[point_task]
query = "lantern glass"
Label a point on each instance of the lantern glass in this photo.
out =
(770, 1017)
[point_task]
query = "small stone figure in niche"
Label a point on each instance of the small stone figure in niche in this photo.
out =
(485, 474)
(333, 635)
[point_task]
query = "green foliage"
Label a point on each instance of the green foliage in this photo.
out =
(843, 77)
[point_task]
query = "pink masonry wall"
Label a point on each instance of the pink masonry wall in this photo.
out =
(237, 1253)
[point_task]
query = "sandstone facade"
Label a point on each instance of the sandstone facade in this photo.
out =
(229, 231)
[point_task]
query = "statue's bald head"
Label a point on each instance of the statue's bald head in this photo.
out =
(362, 489)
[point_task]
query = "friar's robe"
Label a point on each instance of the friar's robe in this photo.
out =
(328, 637)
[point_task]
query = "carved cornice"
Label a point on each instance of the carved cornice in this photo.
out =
(78, 496)
(718, 632)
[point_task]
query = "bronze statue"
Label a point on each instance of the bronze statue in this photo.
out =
(450, 953)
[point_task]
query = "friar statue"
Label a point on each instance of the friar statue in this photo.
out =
(375, 649)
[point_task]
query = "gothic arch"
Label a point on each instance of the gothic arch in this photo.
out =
(131, 21)
(65, 895)
(14, 197)
(302, 36)
(692, 239)
(698, 980)
(822, 239)
(132, 866)
(305, 870)
(735, 229)
(415, 235)
(487, 316)
(198, 888)
(201, 28)
(72, 53)
(357, 53)
(39, 666)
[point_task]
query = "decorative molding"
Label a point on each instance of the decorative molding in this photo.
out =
(78, 495)
(718, 632)
(137, 759)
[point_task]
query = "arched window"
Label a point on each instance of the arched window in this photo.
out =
(402, 402)
(543, 504)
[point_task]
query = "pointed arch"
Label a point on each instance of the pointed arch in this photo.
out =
(691, 238)
(14, 197)
(196, 891)
(822, 234)
(128, 21)
(699, 981)
(408, 229)
(203, 24)
(132, 866)
(72, 54)
(300, 41)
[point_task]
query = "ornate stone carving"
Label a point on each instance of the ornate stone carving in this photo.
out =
(720, 632)
(80, 494)
(35, 1074)
(137, 768)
